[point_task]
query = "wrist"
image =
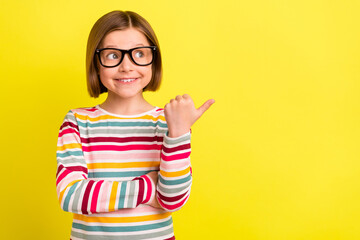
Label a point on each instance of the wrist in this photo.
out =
(178, 133)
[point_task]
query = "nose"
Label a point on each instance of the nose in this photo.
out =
(126, 64)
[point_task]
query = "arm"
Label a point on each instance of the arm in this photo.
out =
(78, 194)
(175, 178)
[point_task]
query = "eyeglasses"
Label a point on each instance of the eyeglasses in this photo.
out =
(112, 57)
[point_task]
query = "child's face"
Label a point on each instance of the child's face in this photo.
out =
(128, 79)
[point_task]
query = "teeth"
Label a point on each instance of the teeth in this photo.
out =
(127, 80)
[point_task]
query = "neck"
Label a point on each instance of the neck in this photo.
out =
(126, 106)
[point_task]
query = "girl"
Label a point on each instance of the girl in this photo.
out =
(123, 165)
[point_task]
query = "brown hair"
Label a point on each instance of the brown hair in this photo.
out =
(119, 20)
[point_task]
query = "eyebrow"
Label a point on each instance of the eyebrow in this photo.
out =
(114, 46)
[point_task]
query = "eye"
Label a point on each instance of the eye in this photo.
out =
(139, 54)
(112, 56)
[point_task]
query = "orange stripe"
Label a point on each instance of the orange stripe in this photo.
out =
(106, 117)
(86, 218)
(123, 165)
(69, 146)
(63, 191)
(175, 174)
(113, 196)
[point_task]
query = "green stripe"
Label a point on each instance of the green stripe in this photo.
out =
(122, 229)
(122, 195)
(183, 138)
(175, 182)
(78, 161)
(130, 203)
(77, 198)
(70, 116)
(173, 190)
(68, 196)
(69, 154)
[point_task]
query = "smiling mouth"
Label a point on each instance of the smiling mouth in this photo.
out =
(126, 80)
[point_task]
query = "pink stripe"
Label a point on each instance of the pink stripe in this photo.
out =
(149, 188)
(94, 112)
(172, 207)
(121, 148)
(141, 210)
(69, 139)
(175, 157)
(68, 131)
(104, 197)
(95, 196)
(62, 176)
(177, 165)
(85, 111)
(128, 156)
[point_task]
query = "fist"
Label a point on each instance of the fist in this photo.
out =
(181, 114)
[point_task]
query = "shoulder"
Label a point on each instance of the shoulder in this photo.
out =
(158, 114)
(86, 111)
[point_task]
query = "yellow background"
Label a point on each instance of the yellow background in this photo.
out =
(276, 157)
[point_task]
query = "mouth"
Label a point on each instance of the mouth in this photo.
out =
(126, 80)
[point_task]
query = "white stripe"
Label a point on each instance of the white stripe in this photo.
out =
(120, 152)
(121, 224)
(123, 233)
(122, 170)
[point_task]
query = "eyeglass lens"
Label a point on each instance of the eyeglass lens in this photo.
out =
(112, 57)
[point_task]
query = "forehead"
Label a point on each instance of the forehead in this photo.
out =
(124, 39)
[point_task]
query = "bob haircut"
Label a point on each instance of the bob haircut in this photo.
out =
(119, 20)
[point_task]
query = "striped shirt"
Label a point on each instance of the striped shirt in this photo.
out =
(101, 178)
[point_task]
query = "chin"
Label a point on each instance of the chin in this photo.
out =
(129, 94)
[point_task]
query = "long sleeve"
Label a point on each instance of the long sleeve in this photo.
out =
(175, 176)
(78, 194)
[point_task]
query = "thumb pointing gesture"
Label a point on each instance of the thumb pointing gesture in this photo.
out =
(181, 114)
(205, 107)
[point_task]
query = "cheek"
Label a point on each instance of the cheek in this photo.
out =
(105, 76)
(106, 73)
(148, 72)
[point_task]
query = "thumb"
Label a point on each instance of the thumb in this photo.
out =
(205, 106)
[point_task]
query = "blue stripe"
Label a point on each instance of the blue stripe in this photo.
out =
(175, 182)
(69, 154)
(122, 195)
(122, 229)
(117, 174)
(68, 196)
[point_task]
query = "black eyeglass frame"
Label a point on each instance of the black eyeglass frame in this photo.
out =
(123, 52)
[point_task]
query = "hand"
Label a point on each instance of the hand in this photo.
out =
(181, 114)
(153, 200)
